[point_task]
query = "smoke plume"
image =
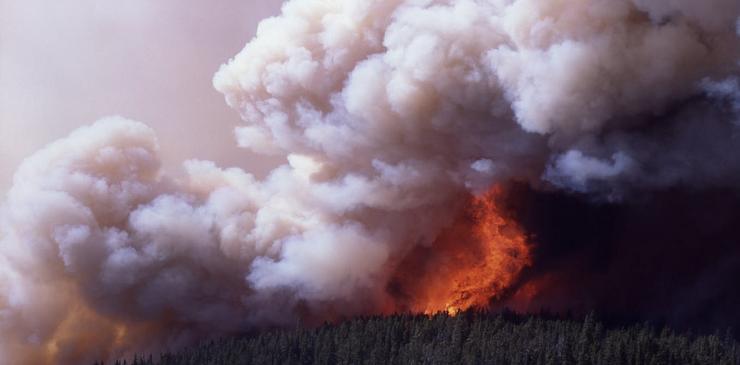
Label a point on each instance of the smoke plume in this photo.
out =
(391, 114)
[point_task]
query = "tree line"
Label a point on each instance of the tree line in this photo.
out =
(471, 337)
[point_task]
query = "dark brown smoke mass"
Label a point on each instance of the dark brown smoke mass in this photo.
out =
(585, 152)
(669, 257)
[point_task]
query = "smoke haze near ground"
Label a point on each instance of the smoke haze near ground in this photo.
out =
(390, 114)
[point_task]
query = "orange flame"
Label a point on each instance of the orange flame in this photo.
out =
(471, 263)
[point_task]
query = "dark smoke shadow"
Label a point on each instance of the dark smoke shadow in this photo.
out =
(671, 257)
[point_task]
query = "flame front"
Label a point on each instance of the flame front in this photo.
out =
(471, 263)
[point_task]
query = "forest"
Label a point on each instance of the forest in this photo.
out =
(471, 337)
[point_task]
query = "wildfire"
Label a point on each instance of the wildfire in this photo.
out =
(471, 263)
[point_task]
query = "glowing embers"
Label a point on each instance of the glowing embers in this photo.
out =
(471, 263)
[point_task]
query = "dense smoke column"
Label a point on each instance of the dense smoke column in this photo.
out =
(584, 79)
(392, 115)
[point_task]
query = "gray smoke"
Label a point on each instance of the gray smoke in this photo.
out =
(388, 112)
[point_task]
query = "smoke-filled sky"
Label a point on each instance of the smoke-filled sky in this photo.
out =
(66, 64)
(393, 127)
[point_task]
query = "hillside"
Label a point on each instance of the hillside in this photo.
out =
(468, 338)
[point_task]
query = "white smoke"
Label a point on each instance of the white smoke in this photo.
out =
(388, 112)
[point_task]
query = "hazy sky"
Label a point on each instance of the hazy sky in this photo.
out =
(64, 64)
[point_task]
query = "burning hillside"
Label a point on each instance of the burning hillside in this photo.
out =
(403, 124)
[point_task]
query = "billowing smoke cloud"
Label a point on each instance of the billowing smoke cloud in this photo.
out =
(390, 113)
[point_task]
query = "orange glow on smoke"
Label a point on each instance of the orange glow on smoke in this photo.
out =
(471, 263)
